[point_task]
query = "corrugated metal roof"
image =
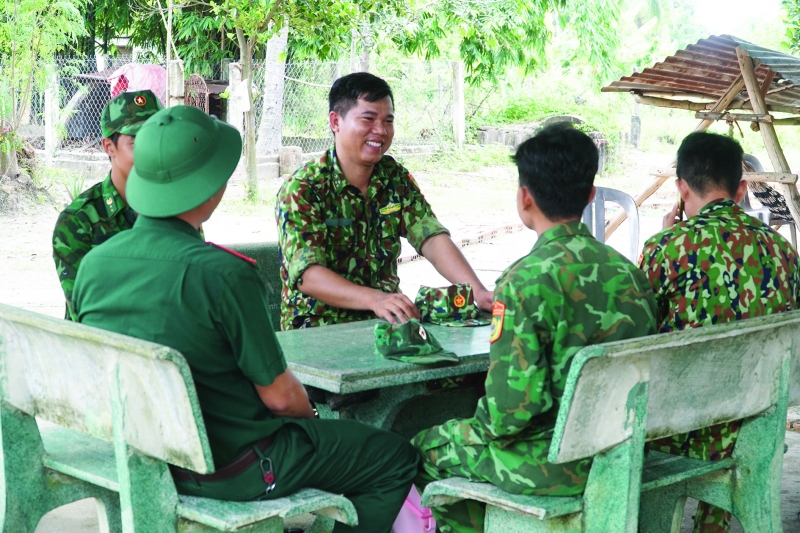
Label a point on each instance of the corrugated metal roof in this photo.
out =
(705, 71)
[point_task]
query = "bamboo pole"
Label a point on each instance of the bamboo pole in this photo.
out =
(771, 142)
(727, 97)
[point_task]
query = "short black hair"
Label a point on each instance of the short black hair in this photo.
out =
(114, 137)
(346, 91)
(557, 166)
(710, 161)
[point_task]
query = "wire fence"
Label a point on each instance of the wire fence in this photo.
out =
(423, 101)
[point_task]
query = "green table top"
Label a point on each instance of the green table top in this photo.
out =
(342, 358)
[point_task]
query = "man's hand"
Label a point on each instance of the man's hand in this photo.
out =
(483, 299)
(671, 218)
(394, 307)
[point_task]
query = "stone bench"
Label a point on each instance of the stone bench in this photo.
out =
(123, 410)
(620, 395)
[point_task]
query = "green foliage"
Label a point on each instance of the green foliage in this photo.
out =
(470, 159)
(493, 36)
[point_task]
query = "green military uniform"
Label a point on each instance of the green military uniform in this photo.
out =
(571, 291)
(324, 220)
(161, 282)
(718, 266)
(99, 212)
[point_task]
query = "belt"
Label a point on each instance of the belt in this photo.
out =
(239, 465)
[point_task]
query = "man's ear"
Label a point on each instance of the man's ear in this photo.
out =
(592, 194)
(683, 189)
(333, 121)
(108, 146)
(525, 198)
(741, 190)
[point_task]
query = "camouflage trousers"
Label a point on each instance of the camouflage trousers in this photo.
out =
(521, 467)
(708, 444)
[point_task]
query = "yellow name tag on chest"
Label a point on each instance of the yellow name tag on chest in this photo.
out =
(390, 208)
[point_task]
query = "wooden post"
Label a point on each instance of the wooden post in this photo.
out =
(658, 181)
(771, 142)
(51, 105)
(459, 111)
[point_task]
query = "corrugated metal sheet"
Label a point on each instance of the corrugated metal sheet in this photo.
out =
(705, 71)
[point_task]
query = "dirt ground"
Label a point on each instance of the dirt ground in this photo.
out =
(466, 202)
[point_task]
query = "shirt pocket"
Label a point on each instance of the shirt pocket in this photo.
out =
(389, 230)
(342, 242)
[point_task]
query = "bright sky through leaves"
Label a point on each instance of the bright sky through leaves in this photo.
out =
(752, 20)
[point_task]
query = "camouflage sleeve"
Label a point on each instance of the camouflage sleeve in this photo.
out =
(651, 262)
(72, 240)
(418, 218)
(519, 380)
(301, 228)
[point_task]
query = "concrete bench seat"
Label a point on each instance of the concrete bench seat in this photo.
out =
(114, 413)
(620, 395)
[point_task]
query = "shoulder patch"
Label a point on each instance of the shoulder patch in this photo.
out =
(237, 254)
(412, 180)
(498, 315)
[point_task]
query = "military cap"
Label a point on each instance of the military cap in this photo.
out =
(410, 343)
(127, 112)
(182, 158)
(449, 306)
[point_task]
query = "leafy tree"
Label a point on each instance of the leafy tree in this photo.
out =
(31, 34)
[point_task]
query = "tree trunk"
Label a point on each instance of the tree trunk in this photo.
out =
(366, 46)
(269, 130)
(251, 170)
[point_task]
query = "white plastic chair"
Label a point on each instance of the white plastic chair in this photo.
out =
(594, 216)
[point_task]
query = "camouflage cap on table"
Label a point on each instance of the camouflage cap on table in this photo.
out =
(127, 112)
(409, 343)
(449, 306)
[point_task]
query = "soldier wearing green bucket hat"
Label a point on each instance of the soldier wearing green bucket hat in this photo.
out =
(101, 211)
(161, 282)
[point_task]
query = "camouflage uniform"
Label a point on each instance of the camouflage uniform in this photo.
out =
(569, 292)
(410, 343)
(449, 306)
(99, 212)
(324, 220)
(718, 266)
(95, 216)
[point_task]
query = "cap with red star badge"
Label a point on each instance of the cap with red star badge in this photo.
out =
(127, 112)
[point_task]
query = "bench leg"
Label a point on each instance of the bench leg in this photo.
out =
(506, 521)
(28, 490)
(661, 510)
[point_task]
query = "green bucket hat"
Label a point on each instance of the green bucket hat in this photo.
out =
(127, 112)
(449, 306)
(410, 343)
(182, 157)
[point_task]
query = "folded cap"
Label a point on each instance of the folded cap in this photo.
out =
(126, 112)
(449, 306)
(410, 343)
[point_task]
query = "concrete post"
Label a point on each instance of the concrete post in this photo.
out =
(290, 157)
(176, 83)
(51, 104)
(459, 112)
(636, 130)
(236, 107)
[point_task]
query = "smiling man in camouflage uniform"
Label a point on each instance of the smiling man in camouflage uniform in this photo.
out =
(100, 212)
(570, 291)
(340, 219)
(717, 266)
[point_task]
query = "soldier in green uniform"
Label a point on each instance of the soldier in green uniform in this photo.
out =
(161, 282)
(340, 219)
(101, 211)
(717, 266)
(570, 291)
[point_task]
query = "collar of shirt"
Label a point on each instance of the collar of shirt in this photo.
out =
(111, 198)
(166, 224)
(339, 180)
(716, 207)
(573, 228)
